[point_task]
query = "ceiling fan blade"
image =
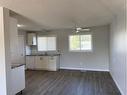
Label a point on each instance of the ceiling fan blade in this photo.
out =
(78, 29)
(85, 29)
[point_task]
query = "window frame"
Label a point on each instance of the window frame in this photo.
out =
(80, 43)
(47, 45)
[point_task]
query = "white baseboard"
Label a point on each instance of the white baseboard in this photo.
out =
(70, 68)
(117, 84)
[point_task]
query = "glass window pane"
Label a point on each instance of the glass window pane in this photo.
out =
(86, 42)
(74, 42)
(51, 44)
(42, 43)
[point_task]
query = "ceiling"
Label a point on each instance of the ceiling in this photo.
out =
(61, 14)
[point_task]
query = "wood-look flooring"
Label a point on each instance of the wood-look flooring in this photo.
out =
(65, 82)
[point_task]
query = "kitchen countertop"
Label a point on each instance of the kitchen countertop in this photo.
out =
(43, 55)
(15, 65)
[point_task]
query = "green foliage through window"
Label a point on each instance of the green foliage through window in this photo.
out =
(80, 42)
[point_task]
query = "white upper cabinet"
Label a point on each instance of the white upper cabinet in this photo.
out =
(16, 43)
(13, 40)
(31, 39)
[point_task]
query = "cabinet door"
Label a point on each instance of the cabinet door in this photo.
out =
(31, 39)
(52, 63)
(30, 62)
(21, 50)
(17, 79)
(42, 62)
(13, 40)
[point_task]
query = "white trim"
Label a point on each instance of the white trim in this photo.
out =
(68, 68)
(71, 68)
(117, 84)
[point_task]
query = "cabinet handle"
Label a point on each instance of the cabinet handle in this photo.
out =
(41, 58)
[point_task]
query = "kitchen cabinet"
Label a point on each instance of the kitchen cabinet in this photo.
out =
(13, 40)
(17, 51)
(50, 63)
(21, 49)
(31, 39)
(41, 62)
(53, 63)
(17, 79)
(30, 62)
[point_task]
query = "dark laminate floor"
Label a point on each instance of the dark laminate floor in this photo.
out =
(66, 82)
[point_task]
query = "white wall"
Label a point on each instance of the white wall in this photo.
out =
(96, 60)
(117, 51)
(5, 65)
(126, 45)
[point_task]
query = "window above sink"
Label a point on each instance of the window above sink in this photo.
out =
(46, 43)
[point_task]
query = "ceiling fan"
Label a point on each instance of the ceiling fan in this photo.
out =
(76, 28)
(79, 29)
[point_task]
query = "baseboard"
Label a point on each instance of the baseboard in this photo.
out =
(70, 68)
(117, 84)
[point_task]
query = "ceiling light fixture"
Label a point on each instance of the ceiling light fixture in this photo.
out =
(20, 25)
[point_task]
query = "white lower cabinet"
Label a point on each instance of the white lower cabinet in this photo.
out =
(18, 79)
(30, 62)
(53, 63)
(50, 63)
(41, 62)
